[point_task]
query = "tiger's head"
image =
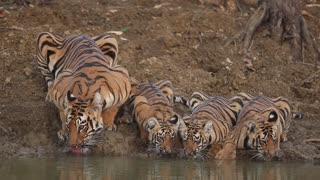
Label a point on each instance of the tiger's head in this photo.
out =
(163, 134)
(257, 130)
(195, 138)
(84, 123)
(265, 134)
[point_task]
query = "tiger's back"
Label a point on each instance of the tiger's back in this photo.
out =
(259, 127)
(83, 70)
(77, 63)
(208, 124)
(153, 111)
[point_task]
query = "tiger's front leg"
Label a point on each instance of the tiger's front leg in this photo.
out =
(227, 152)
(63, 133)
(108, 116)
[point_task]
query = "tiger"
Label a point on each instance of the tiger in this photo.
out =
(261, 124)
(84, 82)
(157, 121)
(236, 102)
(209, 123)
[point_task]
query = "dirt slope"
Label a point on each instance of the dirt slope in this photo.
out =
(178, 40)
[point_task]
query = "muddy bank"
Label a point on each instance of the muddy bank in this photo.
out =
(178, 40)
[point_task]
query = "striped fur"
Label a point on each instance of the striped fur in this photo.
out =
(152, 110)
(209, 123)
(236, 102)
(260, 124)
(84, 81)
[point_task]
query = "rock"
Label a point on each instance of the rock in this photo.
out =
(229, 61)
(27, 71)
(7, 80)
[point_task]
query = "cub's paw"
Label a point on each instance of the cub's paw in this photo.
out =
(226, 154)
(111, 127)
(62, 136)
(127, 119)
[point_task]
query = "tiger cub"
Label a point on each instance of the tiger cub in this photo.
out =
(261, 124)
(210, 121)
(85, 82)
(154, 114)
(236, 102)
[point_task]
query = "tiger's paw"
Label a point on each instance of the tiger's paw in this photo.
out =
(226, 153)
(111, 127)
(125, 120)
(62, 135)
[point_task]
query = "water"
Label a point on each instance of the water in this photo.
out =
(108, 168)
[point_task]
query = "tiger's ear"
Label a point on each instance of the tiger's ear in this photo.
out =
(97, 100)
(68, 99)
(196, 99)
(182, 125)
(187, 120)
(252, 127)
(175, 118)
(108, 44)
(208, 126)
(152, 123)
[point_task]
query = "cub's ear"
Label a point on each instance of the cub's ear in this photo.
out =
(174, 119)
(96, 101)
(273, 116)
(68, 99)
(187, 120)
(152, 123)
(208, 126)
(252, 127)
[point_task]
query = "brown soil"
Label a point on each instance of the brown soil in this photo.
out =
(178, 40)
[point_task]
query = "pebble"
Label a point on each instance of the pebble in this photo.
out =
(228, 61)
(27, 71)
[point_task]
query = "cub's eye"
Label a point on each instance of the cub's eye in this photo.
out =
(81, 127)
(197, 137)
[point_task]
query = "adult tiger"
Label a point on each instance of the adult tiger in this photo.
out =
(260, 125)
(157, 121)
(84, 82)
(210, 122)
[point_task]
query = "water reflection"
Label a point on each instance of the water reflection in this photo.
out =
(87, 168)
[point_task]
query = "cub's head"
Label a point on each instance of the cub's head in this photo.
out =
(163, 134)
(195, 138)
(256, 129)
(264, 133)
(83, 121)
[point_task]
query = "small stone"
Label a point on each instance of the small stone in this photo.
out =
(228, 61)
(178, 34)
(27, 71)
(7, 80)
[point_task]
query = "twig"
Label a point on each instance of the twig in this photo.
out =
(12, 28)
(307, 64)
(309, 78)
(312, 140)
(3, 50)
(313, 5)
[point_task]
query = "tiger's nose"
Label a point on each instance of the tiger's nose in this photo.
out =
(189, 152)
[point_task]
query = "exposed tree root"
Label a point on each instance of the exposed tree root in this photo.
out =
(284, 17)
(247, 33)
(312, 140)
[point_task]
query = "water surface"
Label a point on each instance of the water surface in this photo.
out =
(78, 167)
